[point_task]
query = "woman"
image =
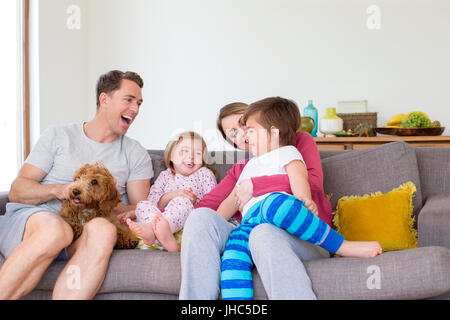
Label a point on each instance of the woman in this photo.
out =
(206, 232)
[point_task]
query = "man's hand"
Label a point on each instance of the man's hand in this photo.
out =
(61, 191)
(127, 215)
(121, 208)
(244, 192)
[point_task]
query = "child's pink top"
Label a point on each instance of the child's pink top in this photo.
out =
(261, 185)
(201, 182)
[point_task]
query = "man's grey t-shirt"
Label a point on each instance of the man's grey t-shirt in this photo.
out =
(62, 150)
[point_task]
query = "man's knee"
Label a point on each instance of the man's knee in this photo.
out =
(49, 232)
(100, 233)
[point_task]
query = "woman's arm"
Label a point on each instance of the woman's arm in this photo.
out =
(229, 206)
(268, 184)
(216, 196)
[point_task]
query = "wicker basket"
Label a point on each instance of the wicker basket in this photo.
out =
(351, 120)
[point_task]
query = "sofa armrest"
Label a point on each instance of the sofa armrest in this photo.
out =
(3, 201)
(434, 221)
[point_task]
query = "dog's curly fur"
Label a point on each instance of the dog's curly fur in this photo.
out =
(94, 195)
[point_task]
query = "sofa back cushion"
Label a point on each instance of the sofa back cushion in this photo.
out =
(381, 168)
(220, 161)
(434, 169)
(355, 172)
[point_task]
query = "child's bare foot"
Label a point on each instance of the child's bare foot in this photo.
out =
(143, 230)
(359, 249)
(163, 233)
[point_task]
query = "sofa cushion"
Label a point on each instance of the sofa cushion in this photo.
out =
(407, 274)
(148, 271)
(434, 168)
(380, 168)
(220, 161)
(434, 221)
(3, 201)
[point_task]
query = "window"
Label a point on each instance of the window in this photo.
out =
(10, 84)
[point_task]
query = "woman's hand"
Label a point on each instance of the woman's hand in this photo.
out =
(244, 192)
(229, 206)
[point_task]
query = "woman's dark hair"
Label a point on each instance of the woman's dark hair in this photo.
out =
(228, 110)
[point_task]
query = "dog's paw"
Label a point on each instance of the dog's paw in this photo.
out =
(128, 241)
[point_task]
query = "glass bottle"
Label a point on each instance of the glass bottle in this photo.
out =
(311, 111)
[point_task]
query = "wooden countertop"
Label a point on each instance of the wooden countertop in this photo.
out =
(384, 139)
(354, 143)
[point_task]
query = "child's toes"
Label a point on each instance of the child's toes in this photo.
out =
(155, 222)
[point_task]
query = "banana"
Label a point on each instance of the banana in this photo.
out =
(396, 120)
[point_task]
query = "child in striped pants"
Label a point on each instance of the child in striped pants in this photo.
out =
(271, 127)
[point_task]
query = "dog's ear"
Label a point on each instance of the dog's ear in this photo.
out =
(112, 195)
(112, 199)
(81, 171)
(113, 192)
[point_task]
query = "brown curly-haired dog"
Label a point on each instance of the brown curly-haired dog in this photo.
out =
(94, 195)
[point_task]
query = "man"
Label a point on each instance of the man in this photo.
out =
(32, 234)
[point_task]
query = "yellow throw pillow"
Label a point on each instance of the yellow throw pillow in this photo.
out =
(386, 218)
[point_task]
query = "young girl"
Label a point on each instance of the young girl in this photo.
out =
(271, 128)
(177, 189)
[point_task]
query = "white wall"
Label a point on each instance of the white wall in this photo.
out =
(63, 66)
(198, 55)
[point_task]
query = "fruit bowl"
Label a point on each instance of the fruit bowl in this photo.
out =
(433, 131)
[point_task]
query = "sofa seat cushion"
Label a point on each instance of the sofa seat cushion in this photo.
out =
(132, 270)
(408, 274)
(381, 168)
(145, 271)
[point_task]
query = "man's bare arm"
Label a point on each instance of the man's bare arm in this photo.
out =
(27, 188)
(137, 191)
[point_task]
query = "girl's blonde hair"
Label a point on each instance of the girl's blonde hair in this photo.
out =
(178, 138)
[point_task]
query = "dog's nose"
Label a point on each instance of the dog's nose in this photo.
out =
(76, 192)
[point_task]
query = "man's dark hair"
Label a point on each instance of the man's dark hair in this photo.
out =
(112, 80)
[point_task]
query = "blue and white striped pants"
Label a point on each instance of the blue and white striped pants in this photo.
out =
(284, 211)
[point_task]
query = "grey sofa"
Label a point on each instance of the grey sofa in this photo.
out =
(419, 273)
